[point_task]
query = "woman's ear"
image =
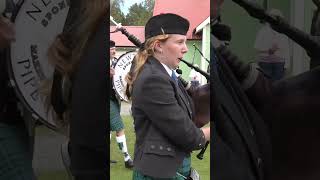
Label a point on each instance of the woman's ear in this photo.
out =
(157, 46)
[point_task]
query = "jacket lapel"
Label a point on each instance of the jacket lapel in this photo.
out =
(178, 86)
(184, 96)
(232, 110)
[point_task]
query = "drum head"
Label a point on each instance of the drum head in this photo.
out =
(36, 24)
(122, 68)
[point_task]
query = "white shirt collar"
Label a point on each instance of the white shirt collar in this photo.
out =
(169, 71)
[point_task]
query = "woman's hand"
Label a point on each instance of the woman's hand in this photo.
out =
(7, 34)
(206, 132)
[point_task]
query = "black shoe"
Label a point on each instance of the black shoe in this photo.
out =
(128, 164)
(113, 161)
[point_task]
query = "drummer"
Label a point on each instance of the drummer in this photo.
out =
(116, 122)
(15, 145)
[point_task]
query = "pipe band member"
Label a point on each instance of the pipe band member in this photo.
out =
(161, 107)
(116, 122)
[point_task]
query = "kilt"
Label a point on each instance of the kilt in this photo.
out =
(15, 153)
(184, 170)
(116, 123)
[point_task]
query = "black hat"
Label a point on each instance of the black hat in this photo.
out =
(112, 44)
(166, 24)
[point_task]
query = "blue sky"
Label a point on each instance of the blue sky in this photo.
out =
(128, 3)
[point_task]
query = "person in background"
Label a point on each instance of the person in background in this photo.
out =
(195, 77)
(16, 141)
(116, 122)
(272, 50)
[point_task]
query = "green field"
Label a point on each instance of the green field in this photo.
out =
(53, 175)
(119, 172)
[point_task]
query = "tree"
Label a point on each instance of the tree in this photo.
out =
(139, 14)
(116, 12)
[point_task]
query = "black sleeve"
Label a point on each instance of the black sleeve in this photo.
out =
(88, 126)
(226, 164)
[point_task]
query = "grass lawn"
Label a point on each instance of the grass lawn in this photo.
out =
(119, 172)
(53, 175)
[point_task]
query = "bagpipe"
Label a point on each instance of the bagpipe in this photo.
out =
(289, 106)
(306, 41)
(200, 95)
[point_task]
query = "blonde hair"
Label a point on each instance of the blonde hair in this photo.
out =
(67, 48)
(141, 58)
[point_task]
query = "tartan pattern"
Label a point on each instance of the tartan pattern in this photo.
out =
(116, 123)
(184, 169)
(15, 155)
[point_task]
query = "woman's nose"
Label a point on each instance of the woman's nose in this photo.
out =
(185, 48)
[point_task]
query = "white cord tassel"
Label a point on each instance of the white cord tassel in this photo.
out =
(182, 176)
(115, 23)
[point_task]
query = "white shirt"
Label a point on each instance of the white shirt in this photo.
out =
(265, 39)
(169, 71)
(113, 62)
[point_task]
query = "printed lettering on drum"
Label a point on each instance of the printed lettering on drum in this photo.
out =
(122, 68)
(37, 24)
(44, 10)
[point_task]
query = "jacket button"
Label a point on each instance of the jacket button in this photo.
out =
(168, 149)
(252, 132)
(152, 146)
(161, 148)
(259, 161)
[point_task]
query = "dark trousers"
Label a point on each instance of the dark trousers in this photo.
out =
(274, 70)
(15, 153)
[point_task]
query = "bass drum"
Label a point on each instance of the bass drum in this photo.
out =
(36, 24)
(122, 67)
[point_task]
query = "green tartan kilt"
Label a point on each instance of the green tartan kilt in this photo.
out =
(116, 123)
(15, 155)
(184, 170)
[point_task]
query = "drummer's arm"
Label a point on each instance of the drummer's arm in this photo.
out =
(112, 72)
(7, 34)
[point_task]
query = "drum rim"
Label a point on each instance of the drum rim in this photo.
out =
(17, 91)
(117, 93)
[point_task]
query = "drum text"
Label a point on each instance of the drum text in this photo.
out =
(29, 78)
(41, 12)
